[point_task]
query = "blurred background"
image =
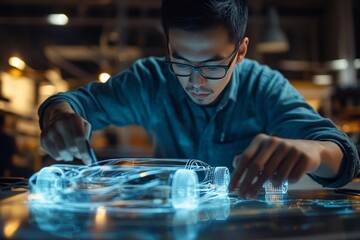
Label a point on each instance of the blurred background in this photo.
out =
(52, 46)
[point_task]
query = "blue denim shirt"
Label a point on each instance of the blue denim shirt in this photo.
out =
(257, 100)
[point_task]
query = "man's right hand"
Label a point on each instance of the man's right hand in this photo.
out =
(65, 133)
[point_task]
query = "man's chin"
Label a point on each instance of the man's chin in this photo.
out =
(203, 101)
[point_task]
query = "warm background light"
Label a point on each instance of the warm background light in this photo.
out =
(58, 19)
(17, 63)
(11, 227)
(103, 77)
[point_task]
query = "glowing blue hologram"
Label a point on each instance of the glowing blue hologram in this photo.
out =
(217, 209)
(180, 224)
(184, 192)
(50, 181)
(271, 189)
(221, 179)
(275, 195)
(275, 199)
(188, 224)
(131, 182)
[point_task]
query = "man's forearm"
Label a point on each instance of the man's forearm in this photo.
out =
(331, 159)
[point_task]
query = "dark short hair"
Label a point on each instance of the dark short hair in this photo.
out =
(197, 15)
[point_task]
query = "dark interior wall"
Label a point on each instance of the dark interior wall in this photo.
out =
(315, 30)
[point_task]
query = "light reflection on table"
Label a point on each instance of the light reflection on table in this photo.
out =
(300, 214)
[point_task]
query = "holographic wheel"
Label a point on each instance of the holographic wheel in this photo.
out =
(49, 182)
(271, 189)
(221, 179)
(184, 189)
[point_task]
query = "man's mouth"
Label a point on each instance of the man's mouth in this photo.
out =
(199, 95)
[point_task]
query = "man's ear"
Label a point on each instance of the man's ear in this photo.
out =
(242, 50)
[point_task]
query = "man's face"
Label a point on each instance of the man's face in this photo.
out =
(205, 48)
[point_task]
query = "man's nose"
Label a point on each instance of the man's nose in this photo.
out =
(196, 79)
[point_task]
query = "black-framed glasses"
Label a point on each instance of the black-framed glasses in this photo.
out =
(212, 72)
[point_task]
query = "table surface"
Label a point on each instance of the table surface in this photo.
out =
(301, 214)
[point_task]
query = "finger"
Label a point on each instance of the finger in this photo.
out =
(298, 170)
(70, 151)
(83, 150)
(54, 144)
(60, 146)
(75, 152)
(78, 127)
(80, 130)
(87, 128)
(50, 148)
(254, 189)
(286, 166)
(266, 147)
(252, 174)
(241, 164)
(268, 171)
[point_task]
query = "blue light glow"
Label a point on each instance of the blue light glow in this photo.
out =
(272, 190)
(143, 184)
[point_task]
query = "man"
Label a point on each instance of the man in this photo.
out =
(207, 101)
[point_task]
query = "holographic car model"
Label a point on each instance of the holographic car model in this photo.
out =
(140, 182)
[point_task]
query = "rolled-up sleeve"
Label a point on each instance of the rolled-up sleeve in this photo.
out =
(126, 99)
(291, 117)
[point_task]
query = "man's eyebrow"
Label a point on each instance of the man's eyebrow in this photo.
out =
(213, 59)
